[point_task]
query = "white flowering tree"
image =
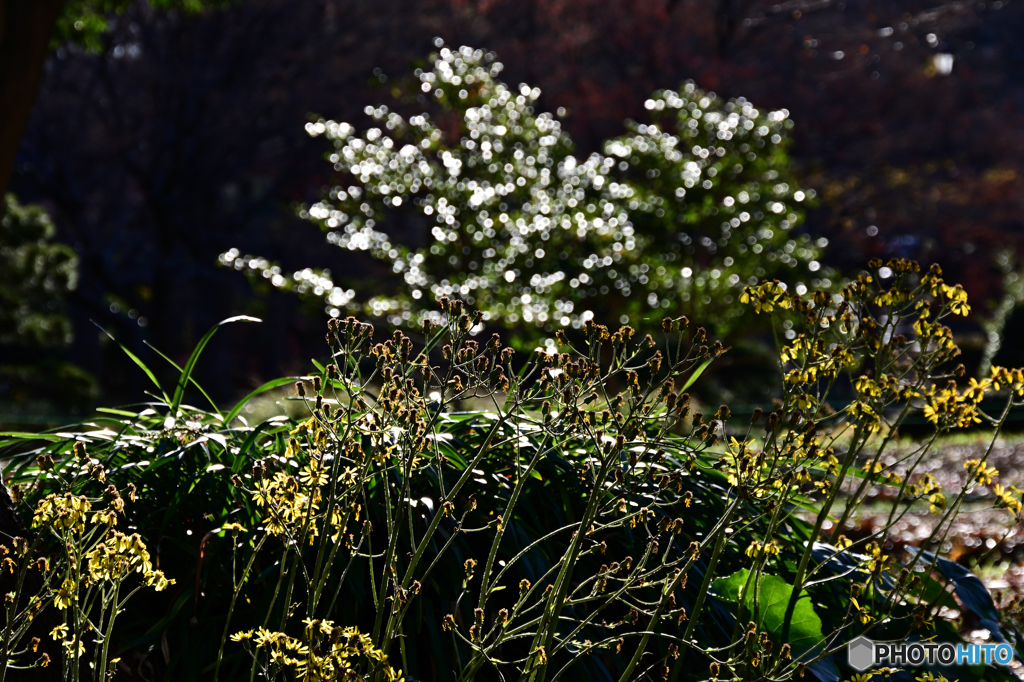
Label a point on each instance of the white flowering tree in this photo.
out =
(673, 218)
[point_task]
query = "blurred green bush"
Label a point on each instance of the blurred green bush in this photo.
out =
(37, 273)
(488, 204)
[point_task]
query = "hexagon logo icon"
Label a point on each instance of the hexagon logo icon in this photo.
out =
(861, 653)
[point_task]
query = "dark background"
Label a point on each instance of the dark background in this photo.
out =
(183, 136)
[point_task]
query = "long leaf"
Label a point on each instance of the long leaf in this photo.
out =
(696, 374)
(137, 361)
(26, 435)
(175, 365)
(179, 392)
(262, 389)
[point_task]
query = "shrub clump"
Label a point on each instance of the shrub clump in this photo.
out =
(593, 522)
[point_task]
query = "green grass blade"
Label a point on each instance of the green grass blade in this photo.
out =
(262, 389)
(137, 361)
(696, 374)
(186, 373)
(195, 383)
(120, 413)
(28, 435)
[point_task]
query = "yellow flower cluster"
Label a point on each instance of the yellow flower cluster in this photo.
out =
(1005, 498)
(288, 504)
(887, 387)
(947, 407)
(863, 414)
(765, 297)
(819, 361)
(1012, 379)
(62, 512)
(933, 334)
(120, 554)
(891, 477)
(927, 487)
(956, 297)
(876, 562)
(319, 436)
(739, 463)
(978, 473)
(325, 653)
(757, 549)
(58, 634)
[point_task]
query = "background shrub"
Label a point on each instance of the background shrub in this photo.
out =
(487, 204)
(37, 276)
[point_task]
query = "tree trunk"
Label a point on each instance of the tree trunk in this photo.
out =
(26, 28)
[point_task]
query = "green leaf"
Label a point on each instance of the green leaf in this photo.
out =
(179, 392)
(769, 601)
(262, 389)
(120, 413)
(696, 374)
(173, 364)
(140, 363)
(26, 435)
(730, 588)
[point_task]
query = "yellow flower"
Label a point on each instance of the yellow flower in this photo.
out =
(976, 390)
(158, 581)
(65, 512)
(1006, 499)
(65, 596)
(957, 298)
(867, 387)
(766, 296)
(59, 632)
(69, 647)
(977, 471)
(862, 613)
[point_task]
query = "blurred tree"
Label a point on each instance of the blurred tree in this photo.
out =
(489, 205)
(183, 133)
(28, 30)
(36, 276)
